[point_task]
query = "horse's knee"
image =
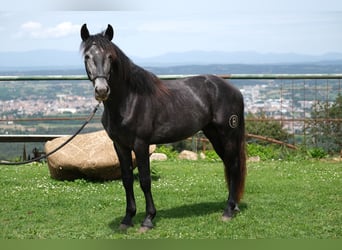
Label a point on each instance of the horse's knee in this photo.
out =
(131, 211)
(145, 184)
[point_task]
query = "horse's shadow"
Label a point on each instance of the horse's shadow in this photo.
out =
(189, 210)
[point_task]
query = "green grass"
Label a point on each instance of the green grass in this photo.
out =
(287, 200)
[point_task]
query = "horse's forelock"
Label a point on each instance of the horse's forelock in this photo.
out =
(99, 40)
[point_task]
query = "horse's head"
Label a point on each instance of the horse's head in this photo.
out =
(98, 58)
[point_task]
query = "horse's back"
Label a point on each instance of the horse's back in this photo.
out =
(206, 83)
(214, 90)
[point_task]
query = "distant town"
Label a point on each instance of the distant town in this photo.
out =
(42, 107)
(278, 99)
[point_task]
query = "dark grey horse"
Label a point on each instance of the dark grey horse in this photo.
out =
(140, 109)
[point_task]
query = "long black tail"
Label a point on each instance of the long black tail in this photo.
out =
(243, 169)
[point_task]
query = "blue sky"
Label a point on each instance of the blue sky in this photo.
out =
(153, 27)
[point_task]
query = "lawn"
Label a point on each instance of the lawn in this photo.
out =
(283, 200)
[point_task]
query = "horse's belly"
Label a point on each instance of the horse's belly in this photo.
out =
(177, 130)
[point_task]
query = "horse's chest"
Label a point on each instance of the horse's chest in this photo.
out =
(120, 130)
(112, 127)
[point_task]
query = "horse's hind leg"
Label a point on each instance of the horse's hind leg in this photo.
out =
(230, 148)
(235, 174)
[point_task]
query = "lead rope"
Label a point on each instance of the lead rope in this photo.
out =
(60, 146)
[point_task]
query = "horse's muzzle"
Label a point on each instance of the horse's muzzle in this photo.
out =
(102, 90)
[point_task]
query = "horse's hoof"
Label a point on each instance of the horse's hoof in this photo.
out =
(124, 227)
(226, 218)
(143, 229)
(236, 209)
(230, 213)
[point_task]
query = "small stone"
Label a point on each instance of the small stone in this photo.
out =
(254, 159)
(188, 155)
(158, 157)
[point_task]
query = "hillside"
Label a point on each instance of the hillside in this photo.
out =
(51, 59)
(298, 68)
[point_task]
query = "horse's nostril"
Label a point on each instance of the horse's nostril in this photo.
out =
(103, 90)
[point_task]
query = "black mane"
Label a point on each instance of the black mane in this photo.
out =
(145, 82)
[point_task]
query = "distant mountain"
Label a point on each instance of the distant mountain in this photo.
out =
(243, 57)
(291, 68)
(40, 59)
(49, 59)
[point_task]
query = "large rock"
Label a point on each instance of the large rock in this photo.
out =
(89, 156)
(188, 155)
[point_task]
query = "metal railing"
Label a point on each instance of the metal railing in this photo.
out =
(172, 77)
(283, 91)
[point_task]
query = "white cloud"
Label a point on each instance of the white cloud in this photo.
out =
(31, 26)
(38, 31)
(63, 29)
(181, 26)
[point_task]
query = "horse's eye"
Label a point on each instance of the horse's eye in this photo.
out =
(86, 57)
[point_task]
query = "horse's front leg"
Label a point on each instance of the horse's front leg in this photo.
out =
(141, 151)
(125, 159)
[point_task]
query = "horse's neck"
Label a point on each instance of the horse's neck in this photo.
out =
(123, 85)
(118, 92)
(116, 106)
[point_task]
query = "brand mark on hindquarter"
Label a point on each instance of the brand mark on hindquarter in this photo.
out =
(233, 121)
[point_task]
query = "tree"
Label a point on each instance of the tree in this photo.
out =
(325, 126)
(266, 126)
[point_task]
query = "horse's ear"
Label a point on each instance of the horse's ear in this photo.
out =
(84, 32)
(109, 33)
